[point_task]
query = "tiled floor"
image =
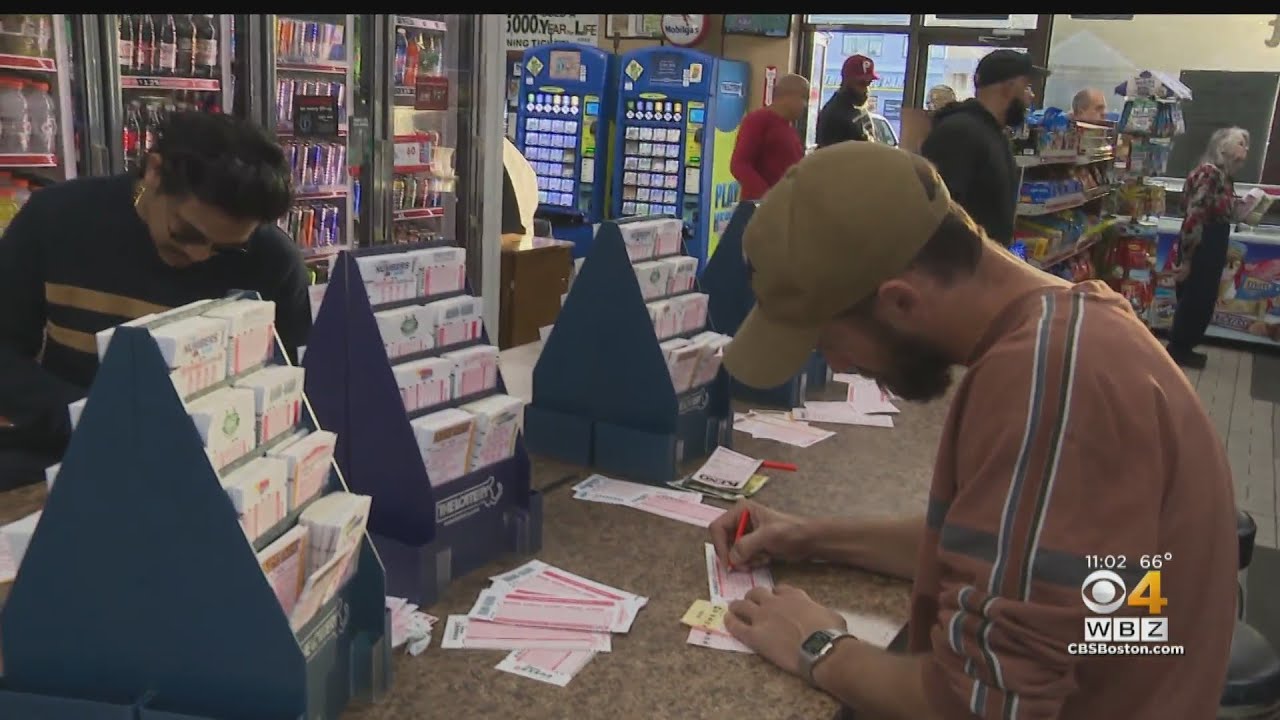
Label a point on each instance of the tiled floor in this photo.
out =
(1251, 429)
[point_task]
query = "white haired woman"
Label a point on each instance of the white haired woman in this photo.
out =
(1209, 207)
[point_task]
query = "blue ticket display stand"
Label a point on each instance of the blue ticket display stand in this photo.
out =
(426, 536)
(728, 284)
(602, 392)
(563, 122)
(139, 597)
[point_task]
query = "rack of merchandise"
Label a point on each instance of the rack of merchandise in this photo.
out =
(1066, 175)
(155, 64)
(400, 366)
(312, 72)
(1151, 119)
(728, 286)
(180, 567)
(37, 139)
(629, 380)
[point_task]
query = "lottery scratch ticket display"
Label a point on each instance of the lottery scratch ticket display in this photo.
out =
(563, 121)
(237, 481)
(676, 118)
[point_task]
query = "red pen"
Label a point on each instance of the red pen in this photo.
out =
(743, 519)
(775, 465)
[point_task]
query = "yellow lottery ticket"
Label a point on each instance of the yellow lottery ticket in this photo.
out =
(705, 615)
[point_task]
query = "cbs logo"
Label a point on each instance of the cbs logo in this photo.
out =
(1104, 592)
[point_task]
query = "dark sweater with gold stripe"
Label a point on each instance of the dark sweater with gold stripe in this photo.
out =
(76, 260)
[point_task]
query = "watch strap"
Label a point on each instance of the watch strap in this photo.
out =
(808, 660)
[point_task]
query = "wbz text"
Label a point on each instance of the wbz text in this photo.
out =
(1126, 636)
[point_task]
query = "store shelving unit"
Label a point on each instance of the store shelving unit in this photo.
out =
(44, 58)
(425, 535)
(140, 597)
(728, 284)
(602, 391)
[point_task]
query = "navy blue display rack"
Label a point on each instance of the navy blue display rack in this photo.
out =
(602, 392)
(427, 536)
(139, 597)
(727, 282)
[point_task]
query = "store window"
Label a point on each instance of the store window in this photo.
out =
(890, 19)
(994, 22)
(888, 50)
(953, 66)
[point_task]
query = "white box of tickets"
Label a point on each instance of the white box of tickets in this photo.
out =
(224, 419)
(654, 276)
(191, 379)
(258, 491)
(277, 399)
(388, 278)
(308, 463)
(497, 422)
(444, 439)
(684, 270)
(334, 523)
(444, 270)
(457, 320)
(195, 349)
(475, 369)
(250, 331)
(103, 338)
(639, 239)
(668, 235)
(406, 330)
(692, 312)
(425, 382)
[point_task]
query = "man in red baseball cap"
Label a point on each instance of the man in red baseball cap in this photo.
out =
(844, 117)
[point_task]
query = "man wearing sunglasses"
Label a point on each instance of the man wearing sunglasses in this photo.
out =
(197, 221)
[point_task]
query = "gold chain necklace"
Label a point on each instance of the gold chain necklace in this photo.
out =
(138, 191)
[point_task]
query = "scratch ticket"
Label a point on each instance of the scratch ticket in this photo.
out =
(704, 615)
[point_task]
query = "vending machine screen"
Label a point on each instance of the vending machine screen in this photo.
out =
(551, 145)
(653, 137)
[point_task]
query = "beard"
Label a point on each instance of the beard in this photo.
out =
(859, 97)
(918, 371)
(1016, 114)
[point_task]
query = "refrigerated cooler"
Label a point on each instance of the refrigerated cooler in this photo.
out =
(562, 128)
(677, 118)
(37, 129)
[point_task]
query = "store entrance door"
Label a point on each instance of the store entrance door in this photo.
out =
(817, 66)
(949, 59)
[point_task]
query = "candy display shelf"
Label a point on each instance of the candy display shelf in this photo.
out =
(727, 282)
(140, 598)
(603, 392)
(426, 535)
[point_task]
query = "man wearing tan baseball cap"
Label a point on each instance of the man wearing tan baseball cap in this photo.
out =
(1072, 435)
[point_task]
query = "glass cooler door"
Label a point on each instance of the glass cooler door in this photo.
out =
(37, 126)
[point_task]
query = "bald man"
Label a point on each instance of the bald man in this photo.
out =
(768, 142)
(1089, 105)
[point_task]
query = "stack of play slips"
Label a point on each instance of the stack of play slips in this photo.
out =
(388, 278)
(250, 328)
(103, 338)
(334, 524)
(690, 312)
(668, 234)
(682, 505)
(456, 319)
(284, 562)
(277, 399)
(406, 330)
(709, 360)
(654, 277)
(497, 423)
(684, 270)
(259, 493)
(424, 383)
(410, 626)
(553, 621)
(225, 421)
(663, 316)
(640, 240)
(195, 349)
(706, 619)
(444, 270)
(475, 369)
(308, 457)
(444, 440)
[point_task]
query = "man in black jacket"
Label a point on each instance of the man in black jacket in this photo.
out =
(843, 117)
(969, 146)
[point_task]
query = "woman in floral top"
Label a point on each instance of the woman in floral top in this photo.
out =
(1209, 208)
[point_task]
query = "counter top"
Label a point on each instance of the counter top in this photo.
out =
(652, 672)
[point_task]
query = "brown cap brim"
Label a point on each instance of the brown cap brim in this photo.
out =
(764, 354)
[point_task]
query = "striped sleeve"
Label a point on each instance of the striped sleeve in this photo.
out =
(1030, 458)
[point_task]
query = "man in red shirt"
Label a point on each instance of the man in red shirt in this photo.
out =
(768, 143)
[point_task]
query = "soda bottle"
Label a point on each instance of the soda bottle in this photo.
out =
(15, 124)
(167, 54)
(184, 65)
(43, 116)
(44, 35)
(144, 45)
(411, 60)
(150, 127)
(402, 54)
(206, 55)
(124, 44)
(132, 137)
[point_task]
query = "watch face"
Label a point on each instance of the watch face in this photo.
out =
(814, 644)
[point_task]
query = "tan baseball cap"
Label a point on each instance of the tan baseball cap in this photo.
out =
(842, 221)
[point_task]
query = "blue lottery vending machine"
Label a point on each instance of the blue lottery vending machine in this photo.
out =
(677, 120)
(562, 127)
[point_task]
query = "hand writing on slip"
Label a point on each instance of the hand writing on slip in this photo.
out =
(775, 621)
(772, 535)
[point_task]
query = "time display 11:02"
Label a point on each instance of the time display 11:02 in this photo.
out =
(1106, 562)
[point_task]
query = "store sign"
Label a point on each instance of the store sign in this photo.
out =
(526, 31)
(431, 92)
(684, 30)
(315, 116)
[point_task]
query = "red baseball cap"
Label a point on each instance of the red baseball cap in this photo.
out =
(859, 67)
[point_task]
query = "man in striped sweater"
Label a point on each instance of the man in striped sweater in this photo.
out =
(1073, 444)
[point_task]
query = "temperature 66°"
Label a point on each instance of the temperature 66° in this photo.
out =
(1154, 562)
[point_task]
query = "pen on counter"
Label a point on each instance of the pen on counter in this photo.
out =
(775, 465)
(743, 519)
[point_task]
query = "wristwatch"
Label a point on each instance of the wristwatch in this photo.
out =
(816, 647)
